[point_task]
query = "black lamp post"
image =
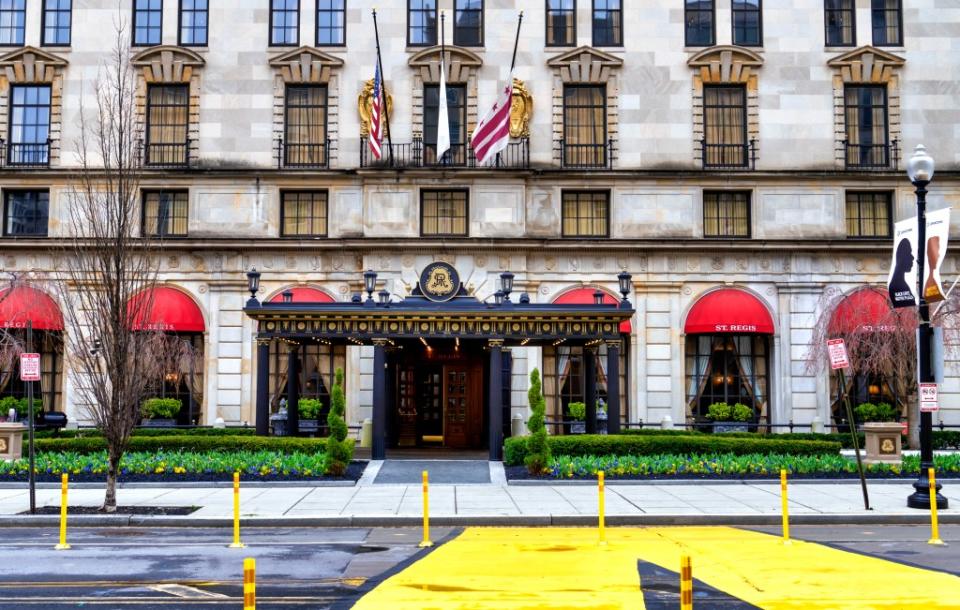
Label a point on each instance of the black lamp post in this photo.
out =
(370, 284)
(624, 279)
(253, 285)
(506, 285)
(598, 297)
(920, 170)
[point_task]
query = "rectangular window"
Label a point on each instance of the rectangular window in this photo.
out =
(887, 18)
(421, 23)
(457, 115)
(56, 22)
(866, 126)
(303, 214)
(468, 23)
(13, 18)
(25, 213)
(305, 132)
(747, 23)
(561, 23)
(584, 126)
(284, 22)
(868, 214)
(168, 109)
(147, 22)
(331, 22)
(443, 213)
(586, 213)
(840, 20)
(165, 213)
(607, 23)
(29, 125)
(699, 19)
(725, 126)
(726, 214)
(194, 18)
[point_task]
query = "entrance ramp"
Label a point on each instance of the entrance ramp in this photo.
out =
(443, 472)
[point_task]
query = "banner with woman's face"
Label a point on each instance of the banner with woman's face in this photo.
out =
(938, 231)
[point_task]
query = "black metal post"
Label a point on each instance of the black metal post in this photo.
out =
(379, 449)
(293, 392)
(613, 387)
(263, 389)
(921, 497)
(590, 387)
(495, 398)
(30, 425)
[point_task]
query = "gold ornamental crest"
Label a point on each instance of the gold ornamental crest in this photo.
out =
(440, 282)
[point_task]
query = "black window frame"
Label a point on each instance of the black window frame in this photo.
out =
(457, 40)
(859, 198)
(851, 10)
(452, 218)
(728, 349)
(580, 198)
(296, 28)
(43, 25)
(342, 29)
(721, 160)
(23, 30)
(572, 30)
(733, 22)
(206, 27)
(882, 10)
(310, 145)
(729, 220)
(429, 40)
(159, 28)
(617, 32)
(7, 193)
(39, 155)
(871, 160)
(457, 155)
(171, 157)
(687, 11)
(313, 216)
(172, 217)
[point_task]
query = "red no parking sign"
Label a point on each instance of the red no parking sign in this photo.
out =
(29, 367)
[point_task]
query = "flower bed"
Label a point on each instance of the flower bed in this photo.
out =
(176, 466)
(728, 465)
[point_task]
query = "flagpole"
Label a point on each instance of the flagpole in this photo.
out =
(516, 41)
(383, 88)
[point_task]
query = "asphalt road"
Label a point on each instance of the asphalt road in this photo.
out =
(306, 567)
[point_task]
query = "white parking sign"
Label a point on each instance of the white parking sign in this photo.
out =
(928, 398)
(29, 367)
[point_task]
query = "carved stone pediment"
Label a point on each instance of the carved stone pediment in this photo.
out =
(726, 64)
(585, 65)
(866, 65)
(167, 64)
(460, 63)
(305, 65)
(31, 65)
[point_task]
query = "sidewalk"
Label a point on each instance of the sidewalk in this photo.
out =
(369, 504)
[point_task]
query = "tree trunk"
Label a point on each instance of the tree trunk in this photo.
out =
(110, 499)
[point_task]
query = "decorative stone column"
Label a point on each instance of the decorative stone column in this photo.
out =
(495, 400)
(263, 387)
(379, 450)
(613, 387)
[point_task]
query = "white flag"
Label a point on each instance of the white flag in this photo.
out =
(443, 121)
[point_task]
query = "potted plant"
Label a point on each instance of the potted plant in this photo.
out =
(881, 431)
(160, 412)
(730, 418)
(309, 411)
(578, 411)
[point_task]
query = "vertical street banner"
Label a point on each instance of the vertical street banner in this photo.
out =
(902, 282)
(938, 230)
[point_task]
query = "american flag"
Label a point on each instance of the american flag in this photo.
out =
(376, 114)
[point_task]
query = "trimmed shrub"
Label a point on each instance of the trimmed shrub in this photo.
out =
(282, 444)
(578, 410)
(20, 406)
(161, 408)
(339, 448)
(600, 445)
(536, 449)
(309, 408)
(880, 412)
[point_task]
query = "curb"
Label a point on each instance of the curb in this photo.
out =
(182, 484)
(613, 482)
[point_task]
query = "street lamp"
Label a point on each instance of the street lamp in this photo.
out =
(920, 170)
(369, 284)
(253, 285)
(384, 297)
(287, 296)
(624, 279)
(498, 297)
(598, 297)
(506, 285)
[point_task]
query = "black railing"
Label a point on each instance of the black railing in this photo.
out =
(728, 156)
(19, 154)
(296, 155)
(419, 154)
(586, 156)
(165, 154)
(871, 156)
(457, 155)
(407, 154)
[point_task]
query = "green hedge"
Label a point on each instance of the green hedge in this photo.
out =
(94, 433)
(942, 439)
(282, 444)
(594, 444)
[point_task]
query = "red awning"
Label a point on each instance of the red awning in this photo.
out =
(584, 296)
(171, 310)
(865, 309)
(304, 294)
(23, 303)
(729, 311)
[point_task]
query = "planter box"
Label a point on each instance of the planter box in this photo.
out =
(731, 426)
(11, 440)
(578, 427)
(309, 426)
(883, 443)
(158, 423)
(279, 424)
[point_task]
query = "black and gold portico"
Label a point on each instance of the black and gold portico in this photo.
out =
(438, 311)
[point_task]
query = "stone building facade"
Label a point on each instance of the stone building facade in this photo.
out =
(688, 146)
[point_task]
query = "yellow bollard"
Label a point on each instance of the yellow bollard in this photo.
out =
(783, 502)
(249, 584)
(686, 583)
(935, 527)
(236, 513)
(601, 508)
(62, 546)
(426, 513)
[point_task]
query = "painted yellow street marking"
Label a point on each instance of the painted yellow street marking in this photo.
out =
(565, 568)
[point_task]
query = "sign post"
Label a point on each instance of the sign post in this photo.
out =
(30, 372)
(837, 350)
